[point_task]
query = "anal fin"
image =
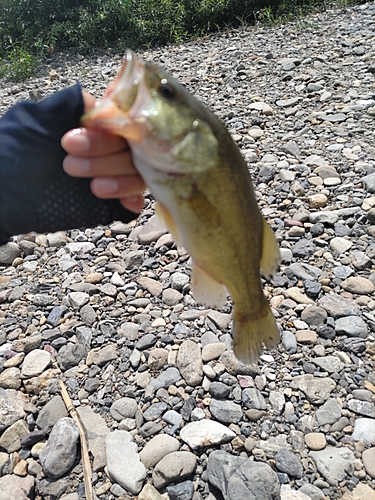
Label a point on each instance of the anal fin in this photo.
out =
(206, 290)
(270, 259)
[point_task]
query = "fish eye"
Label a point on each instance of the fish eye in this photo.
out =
(166, 90)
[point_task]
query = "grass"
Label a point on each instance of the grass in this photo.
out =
(33, 29)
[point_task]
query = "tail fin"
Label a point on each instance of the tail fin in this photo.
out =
(250, 331)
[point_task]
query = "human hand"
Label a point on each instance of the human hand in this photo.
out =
(107, 160)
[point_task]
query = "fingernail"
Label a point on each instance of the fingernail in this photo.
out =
(106, 186)
(80, 139)
(133, 199)
(80, 166)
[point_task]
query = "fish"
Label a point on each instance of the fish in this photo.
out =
(203, 191)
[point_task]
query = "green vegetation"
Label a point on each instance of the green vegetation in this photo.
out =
(32, 29)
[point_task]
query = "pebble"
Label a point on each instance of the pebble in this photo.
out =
(176, 465)
(205, 433)
(157, 448)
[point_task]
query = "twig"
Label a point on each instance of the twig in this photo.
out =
(84, 450)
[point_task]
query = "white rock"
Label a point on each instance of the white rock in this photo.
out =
(35, 363)
(205, 433)
(123, 462)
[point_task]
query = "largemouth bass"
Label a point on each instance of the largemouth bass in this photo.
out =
(203, 191)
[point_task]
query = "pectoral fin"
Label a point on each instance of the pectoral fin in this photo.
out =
(206, 290)
(167, 221)
(270, 259)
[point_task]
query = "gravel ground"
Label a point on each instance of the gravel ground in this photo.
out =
(169, 412)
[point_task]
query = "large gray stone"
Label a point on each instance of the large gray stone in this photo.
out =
(317, 390)
(329, 413)
(337, 306)
(58, 457)
(334, 463)
(51, 413)
(242, 478)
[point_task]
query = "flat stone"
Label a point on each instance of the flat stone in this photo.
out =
(96, 431)
(166, 378)
(306, 336)
(317, 390)
(121, 449)
(333, 463)
(337, 306)
(178, 465)
(364, 408)
(151, 285)
(11, 438)
(10, 378)
(16, 487)
(360, 492)
(35, 363)
(357, 284)
(124, 408)
(328, 413)
(213, 351)
(330, 364)
(205, 433)
(352, 326)
(171, 297)
(157, 448)
(225, 411)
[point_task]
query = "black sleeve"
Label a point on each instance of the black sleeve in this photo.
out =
(35, 192)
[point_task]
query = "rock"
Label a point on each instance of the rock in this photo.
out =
(96, 431)
(149, 493)
(357, 284)
(289, 342)
(314, 315)
(124, 408)
(252, 398)
(330, 364)
(368, 459)
(213, 351)
(352, 326)
(218, 390)
(362, 407)
(58, 457)
(178, 465)
(8, 253)
(239, 477)
(181, 491)
(225, 411)
(120, 450)
(205, 433)
(340, 245)
(317, 390)
(235, 367)
(70, 355)
(171, 297)
(360, 492)
(315, 441)
(337, 306)
(333, 463)
(167, 378)
(313, 492)
(151, 285)
(157, 448)
(10, 379)
(53, 411)
(35, 363)
(189, 362)
(78, 299)
(15, 487)
(12, 405)
(328, 413)
(11, 438)
(288, 462)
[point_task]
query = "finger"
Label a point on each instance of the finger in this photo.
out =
(84, 142)
(88, 101)
(112, 165)
(133, 203)
(122, 186)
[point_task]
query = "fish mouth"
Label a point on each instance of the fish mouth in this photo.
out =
(113, 113)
